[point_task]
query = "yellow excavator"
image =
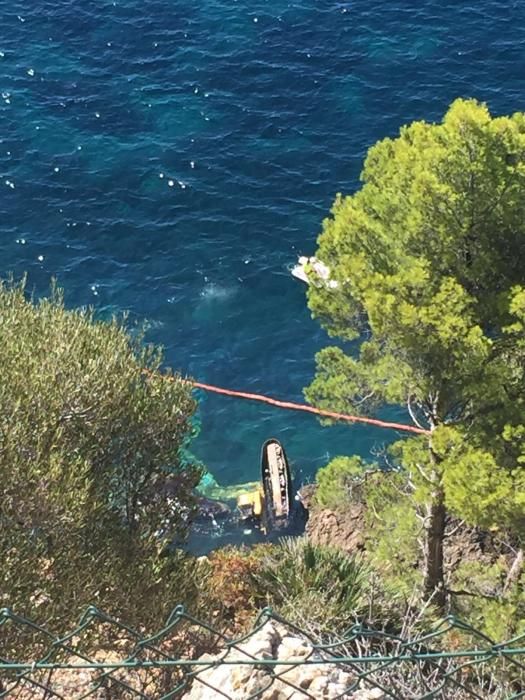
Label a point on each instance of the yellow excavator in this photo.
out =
(270, 503)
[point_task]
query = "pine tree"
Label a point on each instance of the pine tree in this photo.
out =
(427, 276)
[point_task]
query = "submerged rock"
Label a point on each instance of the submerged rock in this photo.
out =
(211, 509)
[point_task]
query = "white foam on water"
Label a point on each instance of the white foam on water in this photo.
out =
(153, 324)
(217, 292)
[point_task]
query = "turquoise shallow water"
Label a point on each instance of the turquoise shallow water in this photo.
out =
(173, 158)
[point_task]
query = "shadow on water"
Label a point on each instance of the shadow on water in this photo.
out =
(219, 523)
(210, 532)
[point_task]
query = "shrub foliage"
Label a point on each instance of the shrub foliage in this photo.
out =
(93, 487)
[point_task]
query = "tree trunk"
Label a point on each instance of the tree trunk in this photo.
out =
(433, 574)
(434, 525)
(514, 572)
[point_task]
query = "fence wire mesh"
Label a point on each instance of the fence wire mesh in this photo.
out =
(102, 658)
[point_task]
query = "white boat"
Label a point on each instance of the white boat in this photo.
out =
(313, 271)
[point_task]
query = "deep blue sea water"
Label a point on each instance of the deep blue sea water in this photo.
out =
(174, 158)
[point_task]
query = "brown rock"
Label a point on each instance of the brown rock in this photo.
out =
(344, 530)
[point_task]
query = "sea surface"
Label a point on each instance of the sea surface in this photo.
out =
(173, 158)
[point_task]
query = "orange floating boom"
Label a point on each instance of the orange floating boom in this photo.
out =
(298, 406)
(310, 409)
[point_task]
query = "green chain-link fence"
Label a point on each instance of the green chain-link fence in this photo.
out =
(102, 659)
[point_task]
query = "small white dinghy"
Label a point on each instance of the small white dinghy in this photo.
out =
(313, 271)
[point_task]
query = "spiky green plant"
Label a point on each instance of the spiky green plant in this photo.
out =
(313, 584)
